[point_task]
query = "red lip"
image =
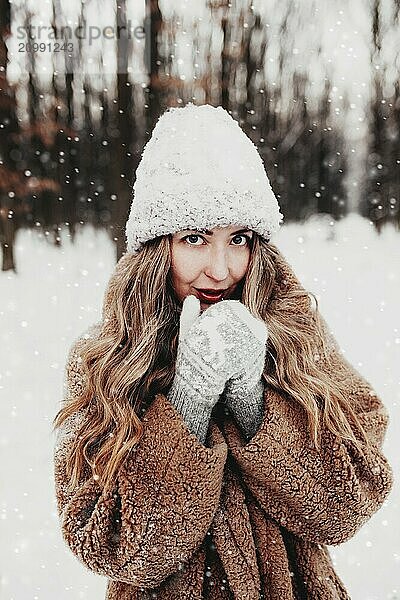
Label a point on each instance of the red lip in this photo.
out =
(209, 296)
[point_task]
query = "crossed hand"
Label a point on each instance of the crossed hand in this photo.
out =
(222, 348)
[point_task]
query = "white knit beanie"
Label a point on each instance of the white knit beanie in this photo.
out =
(199, 170)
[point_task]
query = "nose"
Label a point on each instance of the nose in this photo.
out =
(217, 267)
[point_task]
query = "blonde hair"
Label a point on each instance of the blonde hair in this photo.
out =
(133, 358)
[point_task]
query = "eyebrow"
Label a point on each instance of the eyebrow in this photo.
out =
(208, 232)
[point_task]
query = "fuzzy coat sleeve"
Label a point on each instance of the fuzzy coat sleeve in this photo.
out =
(163, 501)
(324, 497)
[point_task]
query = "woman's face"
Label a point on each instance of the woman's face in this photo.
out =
(215, 259)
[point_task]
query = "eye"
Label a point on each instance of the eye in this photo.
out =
(191, 236)
(246, 238)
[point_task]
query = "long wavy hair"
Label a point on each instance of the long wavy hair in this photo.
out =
(133, 357)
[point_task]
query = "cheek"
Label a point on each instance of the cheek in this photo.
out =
(240, 265)
(184, 267)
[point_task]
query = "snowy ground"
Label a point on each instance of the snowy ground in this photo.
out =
(58, 292)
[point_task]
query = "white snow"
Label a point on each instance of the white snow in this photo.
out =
(58, 292)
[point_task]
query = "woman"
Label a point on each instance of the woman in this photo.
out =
(213, 440)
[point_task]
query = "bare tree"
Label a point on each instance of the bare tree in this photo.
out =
(381, 189)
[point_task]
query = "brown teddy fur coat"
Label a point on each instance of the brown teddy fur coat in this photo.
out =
(229, 519)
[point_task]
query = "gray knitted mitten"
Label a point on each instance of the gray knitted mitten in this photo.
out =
(246, 405)
(244, 393)
(212, 348)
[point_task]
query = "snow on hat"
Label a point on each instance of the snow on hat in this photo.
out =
(199, 170)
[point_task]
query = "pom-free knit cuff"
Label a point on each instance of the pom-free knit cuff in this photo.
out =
(195, 413)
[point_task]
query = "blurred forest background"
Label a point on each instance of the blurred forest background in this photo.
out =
(73, 123)
(315, 84)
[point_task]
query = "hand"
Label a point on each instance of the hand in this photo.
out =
(212, 348)
(244, 392)
(224, 342)
(189, 393)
